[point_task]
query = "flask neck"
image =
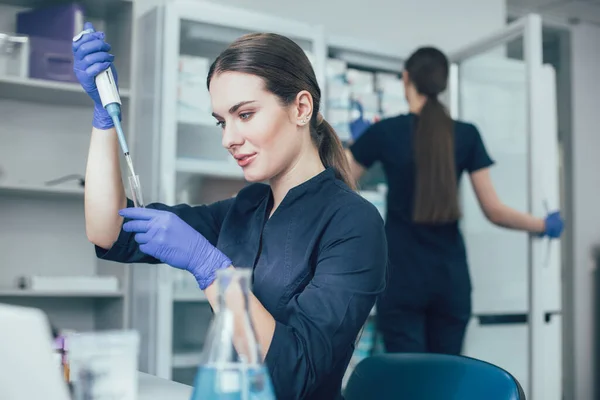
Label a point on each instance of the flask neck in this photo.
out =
(234, 290)
(233, 338)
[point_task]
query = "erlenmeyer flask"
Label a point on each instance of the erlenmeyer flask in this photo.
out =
(231, 366)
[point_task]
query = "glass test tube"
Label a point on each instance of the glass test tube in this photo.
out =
(136, 191)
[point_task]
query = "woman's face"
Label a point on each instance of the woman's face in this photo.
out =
(261, 134)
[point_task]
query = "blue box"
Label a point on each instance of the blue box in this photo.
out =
(51, 31)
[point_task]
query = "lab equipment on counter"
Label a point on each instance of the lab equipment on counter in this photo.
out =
(14, 55)
(60, 350)
(28, 361)
(66, 284)
(231, 366)
(104, 364)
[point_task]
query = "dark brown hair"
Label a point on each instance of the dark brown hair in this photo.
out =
(286, 71)
(436, 190)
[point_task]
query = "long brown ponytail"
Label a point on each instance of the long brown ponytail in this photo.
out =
(436, 190)
(331, 151)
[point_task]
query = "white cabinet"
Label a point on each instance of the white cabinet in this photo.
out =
(44, 138)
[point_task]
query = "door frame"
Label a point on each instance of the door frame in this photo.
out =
(529, 28)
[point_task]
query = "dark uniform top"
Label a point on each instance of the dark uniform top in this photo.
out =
(319, 263)
(423, 257)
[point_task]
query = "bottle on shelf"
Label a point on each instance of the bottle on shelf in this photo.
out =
(231, 366)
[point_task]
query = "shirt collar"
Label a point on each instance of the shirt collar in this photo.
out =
(310, 186)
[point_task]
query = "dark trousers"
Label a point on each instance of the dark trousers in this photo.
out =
(425, 308)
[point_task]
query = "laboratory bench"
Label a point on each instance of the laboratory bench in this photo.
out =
(151, 387)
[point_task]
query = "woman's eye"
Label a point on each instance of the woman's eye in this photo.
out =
(221, 124)
(245, 116)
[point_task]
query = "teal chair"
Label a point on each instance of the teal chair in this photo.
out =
(428, 376)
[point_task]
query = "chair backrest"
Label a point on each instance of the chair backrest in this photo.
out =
(429, 376)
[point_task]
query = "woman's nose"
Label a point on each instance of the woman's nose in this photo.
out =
(231, 136)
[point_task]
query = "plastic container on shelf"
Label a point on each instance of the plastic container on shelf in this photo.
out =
(14, 55)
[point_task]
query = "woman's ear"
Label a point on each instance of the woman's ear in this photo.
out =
(407, 84)
(303, 108)
(405, 78)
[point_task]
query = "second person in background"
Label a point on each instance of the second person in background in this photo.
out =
(427, 303)
(316, 248)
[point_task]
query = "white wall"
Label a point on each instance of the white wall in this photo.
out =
(585, 212)
(398, 24)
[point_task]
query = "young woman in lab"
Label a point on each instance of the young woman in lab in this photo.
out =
(427, 301)
(317, 249)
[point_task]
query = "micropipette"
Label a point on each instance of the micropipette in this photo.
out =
(111, 101)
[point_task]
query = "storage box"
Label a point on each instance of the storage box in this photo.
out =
(361, 81)
(51, 30)
(192, 69)
(51, 59)
(60, 22)
(336, 70)
(69, 284)
(14, 55)
(338, 95)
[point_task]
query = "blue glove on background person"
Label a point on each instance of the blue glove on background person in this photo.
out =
(553, 225)
(90, 57)
(359, 125)
(166, 237)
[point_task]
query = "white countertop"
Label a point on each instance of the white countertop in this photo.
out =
(154, 388)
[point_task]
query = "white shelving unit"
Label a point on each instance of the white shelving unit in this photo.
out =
(355, 70)
(12, 293)
(44, 91)
(44, 135)
(343, 55)
(188, 162)
(26, 189)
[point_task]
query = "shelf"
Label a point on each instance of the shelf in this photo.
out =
(223, 169)
(47, 92)
(93, 8)
(40, 190)
(52, 294)
(189, 296)
(189, 359)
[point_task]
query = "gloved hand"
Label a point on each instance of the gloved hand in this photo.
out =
(90, 57)
(165, 236)
(359, 125)
(553, 225)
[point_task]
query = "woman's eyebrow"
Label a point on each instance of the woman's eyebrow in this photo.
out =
(235, 107)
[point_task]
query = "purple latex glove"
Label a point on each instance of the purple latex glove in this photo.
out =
(359, 125)
(553, 225)
(90, 57)
(166, 237)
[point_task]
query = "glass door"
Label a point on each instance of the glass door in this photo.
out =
(501, 86)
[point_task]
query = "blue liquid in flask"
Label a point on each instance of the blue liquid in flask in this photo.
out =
(233, 382)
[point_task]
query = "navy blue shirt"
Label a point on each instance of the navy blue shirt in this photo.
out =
(390, 142)
(319, 264)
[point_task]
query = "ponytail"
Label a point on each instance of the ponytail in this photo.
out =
(331, 151)
(436, 194)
